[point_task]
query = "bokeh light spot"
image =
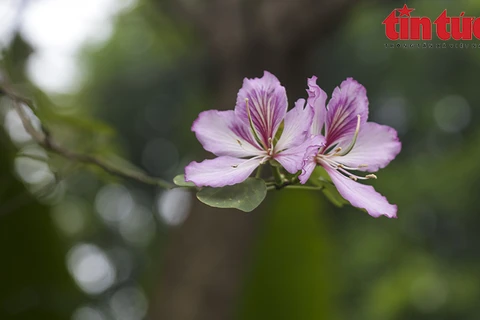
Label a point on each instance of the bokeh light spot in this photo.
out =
(138, 228)
(114, 203)
(174, 206)
(69, 216)
(452, 113)
(33, 171)
(88, 313)
(128, 303)
(428, 292)
(393, 113)
(91, 269)
(14, 126)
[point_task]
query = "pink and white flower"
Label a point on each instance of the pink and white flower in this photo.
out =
(349, 143)
(246, 137)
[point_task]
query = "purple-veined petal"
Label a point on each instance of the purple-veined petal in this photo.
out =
(292, 159)
(218, 132)
(316, 100)
(362, 196)
(375, 147)
(221, 171)
(347, 102)
(267, 102)
(309, 162)
(307, 170)
(296, 126)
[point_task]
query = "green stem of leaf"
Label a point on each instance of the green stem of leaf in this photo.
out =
(294, 187)
(259, 171)
(279, 179)
(302, 187)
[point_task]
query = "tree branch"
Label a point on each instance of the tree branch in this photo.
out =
(44, 139)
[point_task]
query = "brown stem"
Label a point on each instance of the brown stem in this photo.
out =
(44, 139)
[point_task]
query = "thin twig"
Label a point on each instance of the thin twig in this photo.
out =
(259, 172)
(302, 187)
(44, 139)
(271, 187)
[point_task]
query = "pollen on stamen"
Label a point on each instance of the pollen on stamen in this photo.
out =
(270, 146)
(371, 176)
(334, 152)
(353, 178)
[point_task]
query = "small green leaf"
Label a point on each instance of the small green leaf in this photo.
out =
(180, 181)
(244, 196)
(320, 177)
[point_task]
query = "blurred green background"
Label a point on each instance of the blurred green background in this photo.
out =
(125, 79)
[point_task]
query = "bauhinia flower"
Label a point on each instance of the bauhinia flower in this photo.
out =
(349, 143)
(249, 136)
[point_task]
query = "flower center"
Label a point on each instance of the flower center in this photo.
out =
(333, 158)
(270, 149)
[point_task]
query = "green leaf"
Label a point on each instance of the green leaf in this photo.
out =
(320, 177)
(244, 196)
(180, 181)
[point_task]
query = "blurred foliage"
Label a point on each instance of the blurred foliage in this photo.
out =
(34, 282)
(141, 92)
(293, 274)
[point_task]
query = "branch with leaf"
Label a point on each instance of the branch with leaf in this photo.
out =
(260, 133)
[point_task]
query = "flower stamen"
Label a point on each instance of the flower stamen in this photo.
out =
(254, 158)
(343, 169)
(334, 152)
(270, 147)
(354, 139)
(265, 159)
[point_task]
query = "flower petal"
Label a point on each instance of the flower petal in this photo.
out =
(348, 101)
(219, 133)
(267, 101)
(316, 100)
(362, 196)
(293, 158)
(306, 153)
(221, 171)
(296, 126)
(308, 167)
(376, 146)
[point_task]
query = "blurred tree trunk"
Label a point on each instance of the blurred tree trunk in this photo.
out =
(207, 257)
